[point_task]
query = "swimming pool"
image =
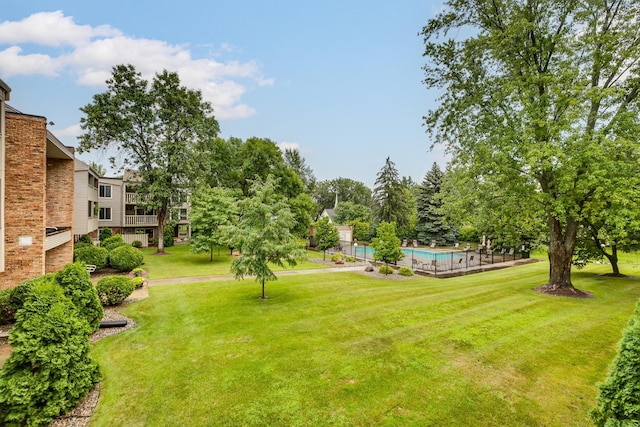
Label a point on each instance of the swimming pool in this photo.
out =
(415, 253)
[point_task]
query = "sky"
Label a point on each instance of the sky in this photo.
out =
(340, 80)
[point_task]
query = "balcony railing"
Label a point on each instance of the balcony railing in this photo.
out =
(56, 237)
(133, 198)
(141, 220)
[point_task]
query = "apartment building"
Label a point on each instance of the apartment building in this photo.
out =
(121, 211)
(36, 197)
(85, 212)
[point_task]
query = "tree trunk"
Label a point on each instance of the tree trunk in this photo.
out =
(162, 219)
(561, 246)
(613, 259)
(263, 289)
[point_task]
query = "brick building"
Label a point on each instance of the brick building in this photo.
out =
(36, 197)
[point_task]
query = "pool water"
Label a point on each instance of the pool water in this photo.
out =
(416, 253)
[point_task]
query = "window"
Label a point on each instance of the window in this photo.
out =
(183, 214)
(105, 214)
(105, 191)
(89, 209)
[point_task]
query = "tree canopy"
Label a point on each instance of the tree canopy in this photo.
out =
(327, 235)
(392, 200)
(155, 126)
(211, 210)
(540, 100)
(387, 244)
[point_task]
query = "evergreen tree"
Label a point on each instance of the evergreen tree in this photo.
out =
(390, 198)
(431, 222)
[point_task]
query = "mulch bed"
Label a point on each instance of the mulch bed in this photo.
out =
(562, 292)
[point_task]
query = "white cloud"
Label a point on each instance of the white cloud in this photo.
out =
(74, 130)
(289, 146)
(89, 53)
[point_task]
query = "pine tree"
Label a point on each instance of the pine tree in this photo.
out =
(431, 224)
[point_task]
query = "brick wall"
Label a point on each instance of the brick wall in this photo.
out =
(25, 180)
(59, 209)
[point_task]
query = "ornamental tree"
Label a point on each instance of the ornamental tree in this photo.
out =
(327, 235)
(387, 244)
(261, 233)
(211, 210)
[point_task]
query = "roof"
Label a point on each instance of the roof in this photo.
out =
(5, 89)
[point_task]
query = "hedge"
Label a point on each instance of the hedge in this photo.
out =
(49, 370)
(112, 290)
(125, 258)
(91, 254)
(76, 284)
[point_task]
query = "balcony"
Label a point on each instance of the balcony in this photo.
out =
(56, 236)
(140, 221)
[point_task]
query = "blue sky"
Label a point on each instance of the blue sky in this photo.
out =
(339, 80)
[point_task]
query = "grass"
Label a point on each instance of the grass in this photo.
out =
(179, 261)
(345, 349)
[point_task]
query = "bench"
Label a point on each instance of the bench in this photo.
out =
(90, 268)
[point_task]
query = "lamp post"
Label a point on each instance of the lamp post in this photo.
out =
(355, 250)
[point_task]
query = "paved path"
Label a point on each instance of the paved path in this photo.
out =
(160, 282)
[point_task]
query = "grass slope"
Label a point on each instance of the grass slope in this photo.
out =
(178, 261)
(345, 349)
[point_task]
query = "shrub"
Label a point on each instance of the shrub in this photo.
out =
(168, 236)
(619, 399)
(111, 246)
(49, 370)
(90, 254)
(115, 238)
(81, 245)
(76, 285)
(20, 293)
(335, 257)
(137, 282)
(137, 272)
(105, 233)
(350, 258)
(7, 314)
(405, 271)
(85, 239)
(112, 290)
(385, 269)
(136, 244)
(125, 258)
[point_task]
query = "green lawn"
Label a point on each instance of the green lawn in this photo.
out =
(345, 349)
(179, 261)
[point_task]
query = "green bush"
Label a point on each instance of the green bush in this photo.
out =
(104, 234)
(115, 238)
(137, 272)
(136, 244)
(385, 269)
(137, 282)
(76, 285)
(168, 236)
(7, 314)
(49, 370)
(350, 258)
(20, 293)
(619, 399)
(111, 246)
(90, 254)
(79, 245)
(125, 258)
(112, 290)
(405, 271)
(335, 257)
(85, 239)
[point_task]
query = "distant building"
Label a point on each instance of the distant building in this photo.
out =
(36, 197)
(85, 217)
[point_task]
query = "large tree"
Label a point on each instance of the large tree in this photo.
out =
(262, 233)
(392, 200)
(541, 99)
(155, 126)
(211, 210)
(296, 162)
(343, 189)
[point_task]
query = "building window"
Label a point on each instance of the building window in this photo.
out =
(183, 214)
(105, 191)
(105, 214)
(89, 209)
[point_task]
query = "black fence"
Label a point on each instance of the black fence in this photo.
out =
(436, 261)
